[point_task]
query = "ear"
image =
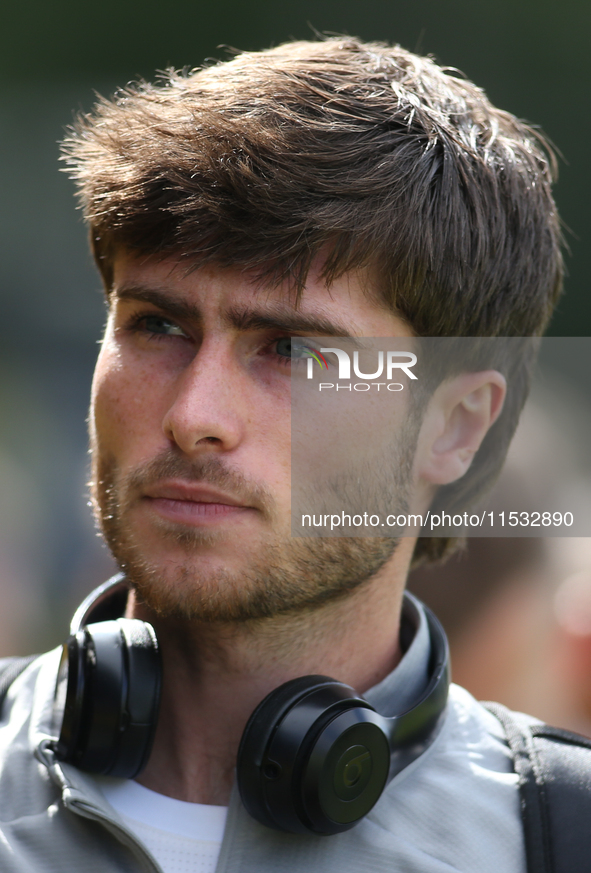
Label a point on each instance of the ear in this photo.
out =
(457, 418)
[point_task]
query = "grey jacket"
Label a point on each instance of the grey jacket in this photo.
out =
(454, 809)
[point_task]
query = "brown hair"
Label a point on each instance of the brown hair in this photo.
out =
(365, 151)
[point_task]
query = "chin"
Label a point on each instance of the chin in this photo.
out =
(274, 578)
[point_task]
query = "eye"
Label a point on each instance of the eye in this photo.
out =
(156, 324)
(290, 348)
(283, 347)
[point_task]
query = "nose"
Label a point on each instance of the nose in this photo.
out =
(207, 411)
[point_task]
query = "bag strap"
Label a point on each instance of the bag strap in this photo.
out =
(534, 812)
(10, 669)
(554, 770)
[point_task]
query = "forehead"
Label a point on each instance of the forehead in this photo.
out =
(231, 297)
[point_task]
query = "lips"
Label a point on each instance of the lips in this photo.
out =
(192, 503)
(192, 493)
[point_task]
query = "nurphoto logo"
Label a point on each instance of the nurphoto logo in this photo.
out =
(393, 362)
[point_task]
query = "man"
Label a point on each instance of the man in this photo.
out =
(319, 189)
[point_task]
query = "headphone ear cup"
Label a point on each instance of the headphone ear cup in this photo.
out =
(274, 771)
(111, 672)
(259, 729)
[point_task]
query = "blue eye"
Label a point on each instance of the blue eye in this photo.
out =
(284, 347)
(157, 324)
(288, 348)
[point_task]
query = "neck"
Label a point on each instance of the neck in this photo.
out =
(214, 675)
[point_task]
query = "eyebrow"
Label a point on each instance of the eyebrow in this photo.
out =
(274, 317)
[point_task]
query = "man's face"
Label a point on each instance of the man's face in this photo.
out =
(190, 434)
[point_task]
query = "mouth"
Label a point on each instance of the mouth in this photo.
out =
(193, 503)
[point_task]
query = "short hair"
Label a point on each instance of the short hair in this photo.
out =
(363, 154)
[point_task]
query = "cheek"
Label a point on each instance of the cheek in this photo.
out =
(125, 409)
(271, 433)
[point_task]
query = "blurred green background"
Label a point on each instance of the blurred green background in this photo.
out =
(531, 57)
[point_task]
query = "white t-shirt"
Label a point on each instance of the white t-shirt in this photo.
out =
(183, 837)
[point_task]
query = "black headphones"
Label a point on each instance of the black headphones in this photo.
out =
(314, 756)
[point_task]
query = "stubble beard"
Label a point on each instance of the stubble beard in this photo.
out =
(287, 574)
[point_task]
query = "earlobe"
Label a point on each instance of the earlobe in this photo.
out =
(458, 417)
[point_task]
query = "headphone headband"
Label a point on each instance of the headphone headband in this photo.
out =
(108, 601)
